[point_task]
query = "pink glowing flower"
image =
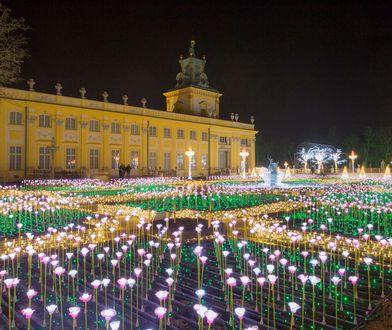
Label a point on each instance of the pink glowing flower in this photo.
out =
(59, 271)
(95, 284)
(137, 272)
(85, 297)
(283, 262)
(169, 281)
(161, 295)
(245, 280)
(160, 312)
(122, 282)
(272, 279)
(51, 309)
(303, 278)
(211, 316)
(203, 259)
(74, 312)
(261, 280)
(240, 312)
(108, 314)
(353, 279)
(231, 281)
(200, 293)
(27, 313)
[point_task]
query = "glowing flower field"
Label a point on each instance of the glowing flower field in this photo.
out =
(166, 253)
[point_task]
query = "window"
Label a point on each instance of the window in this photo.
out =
(192, 135)
(70, 123)
(180, 161)
(116, 128)
(153, 131)
(193, 162)
(15, 118)
(94, 159)
(115, 159)
(180, 134)
(166, 132)
(94, 125)
(223, 140)
(44, 158)
(15, 158)
(204, 136)
(153, 160)
(166, 161)
(70, 158)
(244, 142)
(134, 160)
(44, 121)
(204, 162)
(135, 129)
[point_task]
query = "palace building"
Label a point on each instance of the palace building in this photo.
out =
(45, 135)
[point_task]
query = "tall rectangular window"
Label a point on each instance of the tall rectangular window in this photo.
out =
(153, 131)
(204, 136)
(180, 161)
(223, 140)
(44, 121)
(166, 161)
(135, 129)
(116, 128)
(70, 158)
(180, 134)
(15, 118)
(166, 132)
(134, 160)
(94, 159)
(15, 158)
(115, 159)
(204, 163)
(193, 162)
(94, 125)
(192, 135)
(44, 158)
(70, 123)
(153, 160)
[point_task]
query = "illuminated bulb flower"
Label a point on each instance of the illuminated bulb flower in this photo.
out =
(84, 251)
(160, 312)
(261, 280)
(200, 293)
(211, 316)
(169, 281)
(228, 271)
(51, 309)
(245, 280)
(341, 271)
(27, 312)
(137, 271)
(293, 307)
(303, 278)
(85, 297)
(105, 282)
(292, 269)
(270, 268)
(131, 282)
(31, 293)
(203, 259)
(240, 312)
(231, 281)
(122, 282)
(74, 312)
(115, 325)
(169, 271)
(95, 284)
(225, 253)
(335, 280)
(108, 314)
(272, 279)
(257, 271)
(283, 262)
(59, 271)
(314, 280)
(161, 295)
(72, 273)
(353, 279)
(367, 260)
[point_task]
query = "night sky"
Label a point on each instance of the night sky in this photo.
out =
(299, 67)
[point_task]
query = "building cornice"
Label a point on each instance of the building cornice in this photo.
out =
(45, 98)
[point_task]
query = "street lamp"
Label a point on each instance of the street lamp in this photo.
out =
(243, 155)
(285, 165)
(353, 157)
(190, 153)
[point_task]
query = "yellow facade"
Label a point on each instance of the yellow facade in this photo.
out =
(92, 138)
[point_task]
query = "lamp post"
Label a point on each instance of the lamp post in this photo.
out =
(353, 157)
(285, 165)
(243, 155)
(190, 153)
